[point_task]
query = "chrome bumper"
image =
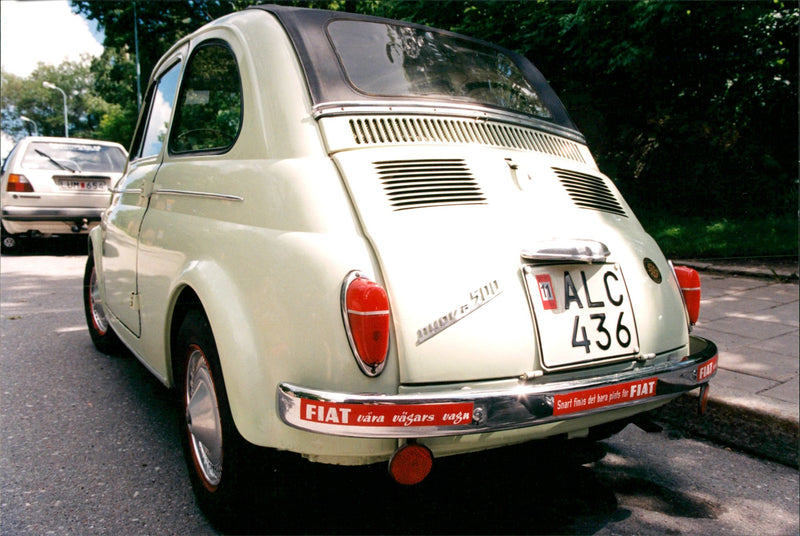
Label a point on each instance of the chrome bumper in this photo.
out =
(67, 214)
(472, 411)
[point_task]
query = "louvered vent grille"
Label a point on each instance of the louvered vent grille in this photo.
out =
(423, 183)
(394, 130)
(590, 192)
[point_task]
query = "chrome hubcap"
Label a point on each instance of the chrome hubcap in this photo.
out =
(202, 418)
(96, 303)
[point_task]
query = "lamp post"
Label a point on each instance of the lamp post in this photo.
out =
(138, 68)
(48, 85)
(35, 126)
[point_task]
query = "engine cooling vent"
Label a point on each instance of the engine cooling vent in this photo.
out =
(398, 130)
(424, 183)
(589, 192)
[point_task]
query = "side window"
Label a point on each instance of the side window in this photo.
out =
(161, 102)
(209, 113)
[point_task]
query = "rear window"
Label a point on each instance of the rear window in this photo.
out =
(74, 157)
(382, 59)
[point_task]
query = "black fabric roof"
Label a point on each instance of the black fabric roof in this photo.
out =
(327, 80)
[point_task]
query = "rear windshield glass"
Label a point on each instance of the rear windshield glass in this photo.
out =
(74, 157)
(398, 61)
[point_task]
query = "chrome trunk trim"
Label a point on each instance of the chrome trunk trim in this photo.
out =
(567, 250)
(441, 109)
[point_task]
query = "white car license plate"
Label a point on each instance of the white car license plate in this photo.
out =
(583, 313)
(85, 185)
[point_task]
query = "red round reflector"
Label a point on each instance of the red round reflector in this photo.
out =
(689, 281)
(367, 320)
(410, 464)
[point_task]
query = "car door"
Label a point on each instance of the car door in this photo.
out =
(131, 197)
(196, 190)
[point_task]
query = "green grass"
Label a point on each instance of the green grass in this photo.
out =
(703, 238)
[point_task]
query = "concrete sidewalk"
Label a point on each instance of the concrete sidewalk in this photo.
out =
(752, 316)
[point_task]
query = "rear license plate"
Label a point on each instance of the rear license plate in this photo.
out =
(86, 185)
(582, 313)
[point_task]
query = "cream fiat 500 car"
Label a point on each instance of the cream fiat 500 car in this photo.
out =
(362, 240)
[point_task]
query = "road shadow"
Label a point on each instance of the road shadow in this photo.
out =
(538, 488)
(51, 245)
(535, 488)
(545, 487)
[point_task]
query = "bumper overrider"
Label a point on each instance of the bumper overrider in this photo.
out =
(472, 411)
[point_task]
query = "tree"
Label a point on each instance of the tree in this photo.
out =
(158, 24)
(691, 107)
(113, 74)
(28, 97)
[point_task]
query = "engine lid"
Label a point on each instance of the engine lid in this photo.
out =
(453, 230)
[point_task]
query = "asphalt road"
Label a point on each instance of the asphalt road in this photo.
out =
(88, 445)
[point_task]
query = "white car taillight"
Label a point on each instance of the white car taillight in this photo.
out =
(365, 311)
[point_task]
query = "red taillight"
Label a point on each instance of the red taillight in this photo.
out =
(18, 183)
(689, 281)
(365, 308)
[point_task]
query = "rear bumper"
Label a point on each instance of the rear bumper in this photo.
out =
(67, 214)
(459, 412)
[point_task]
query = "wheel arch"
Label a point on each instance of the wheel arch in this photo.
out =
(206, 288)
(186, 300)
(94, 246)
(94, 249)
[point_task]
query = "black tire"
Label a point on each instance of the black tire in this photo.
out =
(219, 460)
(10, 243)
(103, 336)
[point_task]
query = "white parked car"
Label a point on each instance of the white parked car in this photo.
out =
(362, 240)
(57, 186)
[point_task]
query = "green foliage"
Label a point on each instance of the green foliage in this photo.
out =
(114, 71)
(159, 25)
(700, 237)
(691, 107)
(45, 107)
(117, 125)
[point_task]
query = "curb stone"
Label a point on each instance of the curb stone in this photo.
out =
(761, 433)
(787, 273)
(766, 432)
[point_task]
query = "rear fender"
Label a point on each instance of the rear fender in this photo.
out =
(267, 330)
(247, 379)
(95, 249)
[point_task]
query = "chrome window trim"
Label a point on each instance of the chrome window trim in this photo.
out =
(126, 190)
(466, 111)
(203, 195)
